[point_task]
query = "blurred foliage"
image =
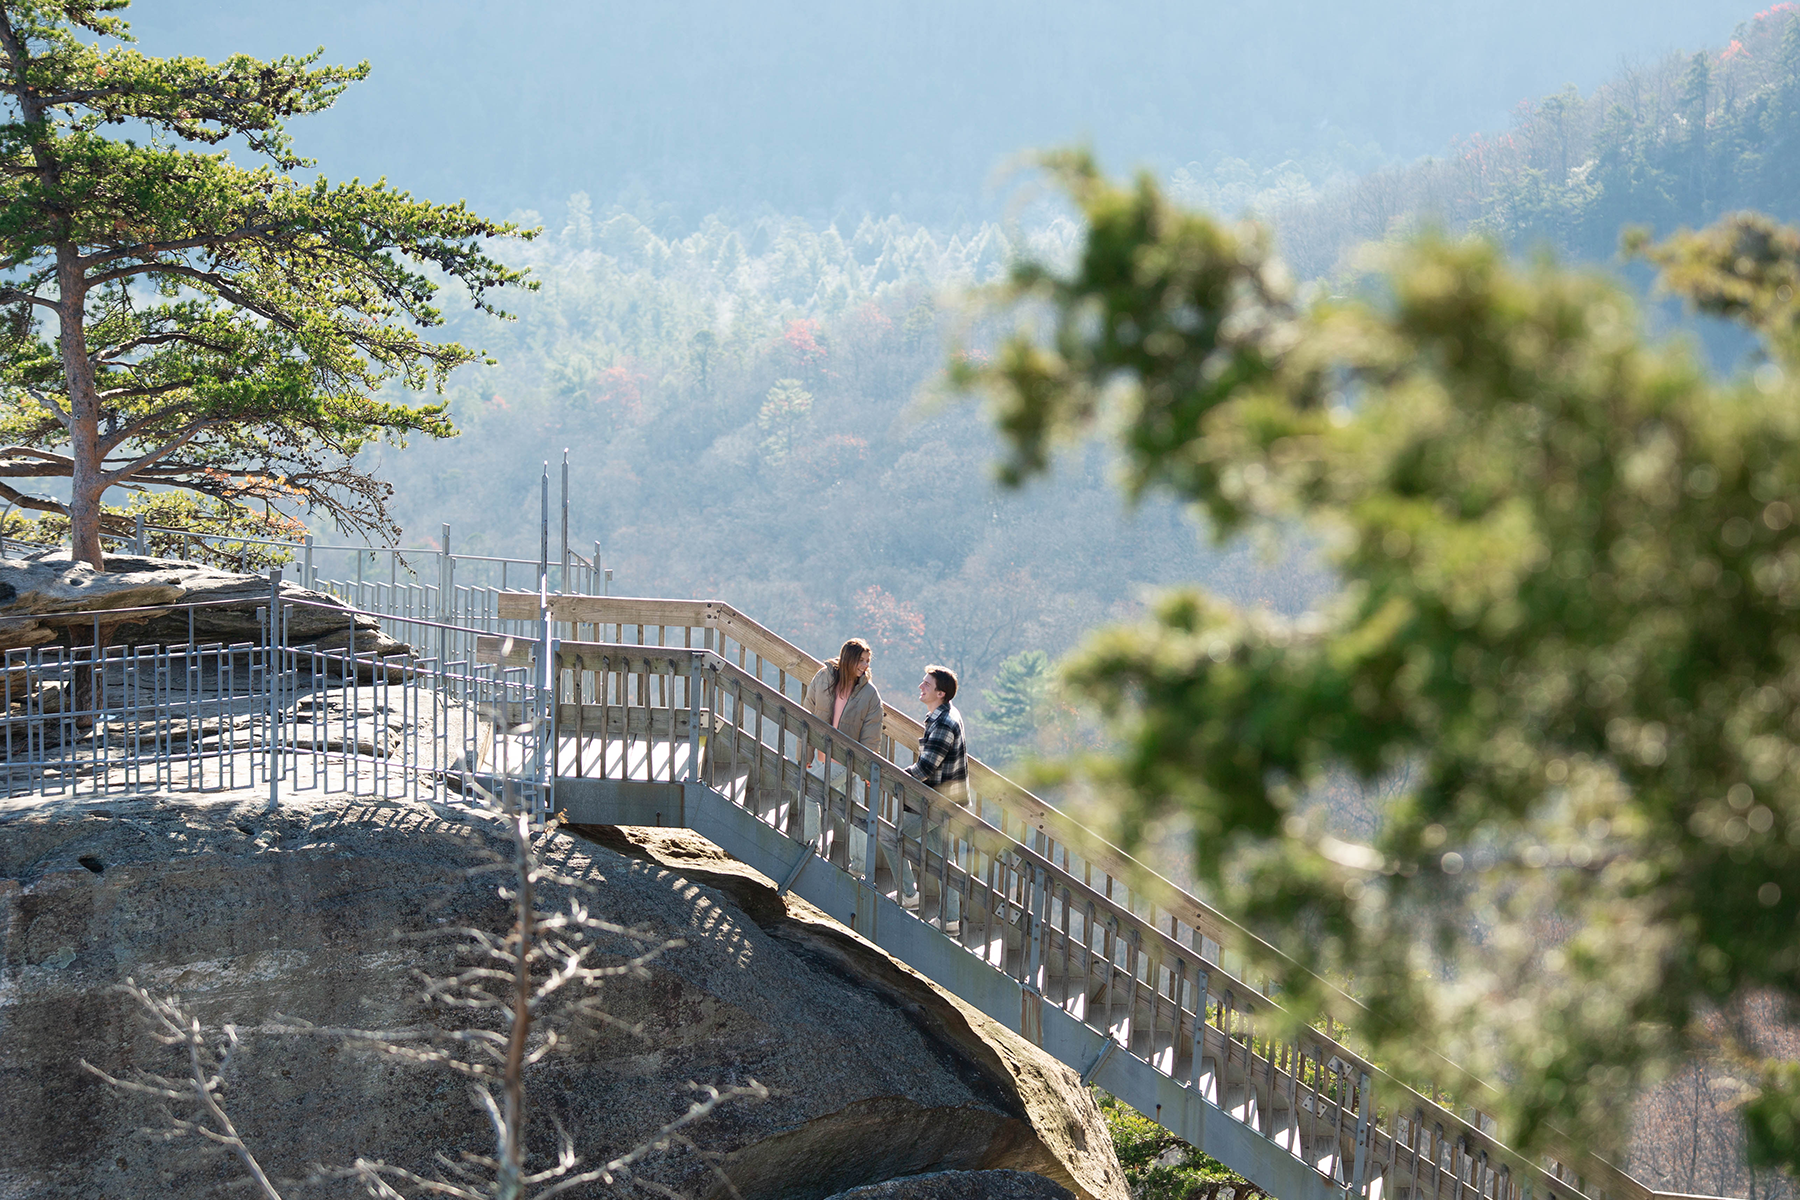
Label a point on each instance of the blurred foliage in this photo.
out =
(1568, 626)
(1160, 1166)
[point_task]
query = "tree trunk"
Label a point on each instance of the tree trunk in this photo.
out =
(84, 411)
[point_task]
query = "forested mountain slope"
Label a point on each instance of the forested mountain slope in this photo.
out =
(749, 415)
(1672, 144)
(749, 410)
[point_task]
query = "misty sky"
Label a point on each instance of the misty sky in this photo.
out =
(831, 109)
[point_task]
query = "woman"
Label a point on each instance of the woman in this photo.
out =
(844, 694)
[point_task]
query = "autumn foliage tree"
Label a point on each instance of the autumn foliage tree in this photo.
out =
(174, 318)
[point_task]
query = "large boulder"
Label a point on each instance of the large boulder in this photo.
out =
(875, 1074)
(49, 596)
(961, 1185)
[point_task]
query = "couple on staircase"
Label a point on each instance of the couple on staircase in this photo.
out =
(843, 693)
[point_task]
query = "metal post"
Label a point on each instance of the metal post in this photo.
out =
(1365, 1111)
(594, 575)
(308, 577)
(544, 533)
(270, 677)
(138, 539)
(549, 680)
(444, 574)
(874, 794)
(563, 586)
(445, 604)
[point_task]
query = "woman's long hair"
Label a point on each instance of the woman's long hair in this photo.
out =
(850, 653)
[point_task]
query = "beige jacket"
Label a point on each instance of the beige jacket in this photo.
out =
(862, 712)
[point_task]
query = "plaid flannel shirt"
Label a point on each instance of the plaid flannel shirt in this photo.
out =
(943, 762)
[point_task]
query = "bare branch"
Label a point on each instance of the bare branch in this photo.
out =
(187, 435)
(14, 296)
(373, 1174)
(174, 1026)
(62, 460)
(35, 503)
(620, 1167)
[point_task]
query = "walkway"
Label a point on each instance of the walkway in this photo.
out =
(687, 713)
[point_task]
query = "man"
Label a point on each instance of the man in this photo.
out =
(943, 762)
(943, 766)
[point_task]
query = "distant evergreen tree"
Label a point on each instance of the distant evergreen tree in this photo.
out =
(1015, 704)
(786, 409)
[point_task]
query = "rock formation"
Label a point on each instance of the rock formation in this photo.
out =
(876, 1075)
(961, 1185)
(48, 596)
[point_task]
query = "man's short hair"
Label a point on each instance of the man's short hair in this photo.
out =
(945, 680)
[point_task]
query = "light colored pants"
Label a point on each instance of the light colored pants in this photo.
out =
(812, 816)
(911, 825)
(887, 837)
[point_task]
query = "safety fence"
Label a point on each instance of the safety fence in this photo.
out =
(86, 716)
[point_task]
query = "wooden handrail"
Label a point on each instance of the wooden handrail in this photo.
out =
(990, 786)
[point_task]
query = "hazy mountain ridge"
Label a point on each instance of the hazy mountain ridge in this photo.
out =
(1675, 143)
(748, 409)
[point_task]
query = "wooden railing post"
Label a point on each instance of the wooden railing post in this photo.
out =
(873, 850)
(693, 698)
(1360, 1146)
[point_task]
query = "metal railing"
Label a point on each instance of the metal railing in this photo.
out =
(260, 714)
(1173, 936)
(410, 589)
(1034, 908)
(573, 688)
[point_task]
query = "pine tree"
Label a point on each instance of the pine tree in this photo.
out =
(1015, 704)
(172, 317)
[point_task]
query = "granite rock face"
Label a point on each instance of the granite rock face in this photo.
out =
(961, 1185)
(48, 596)
(875, 1074)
